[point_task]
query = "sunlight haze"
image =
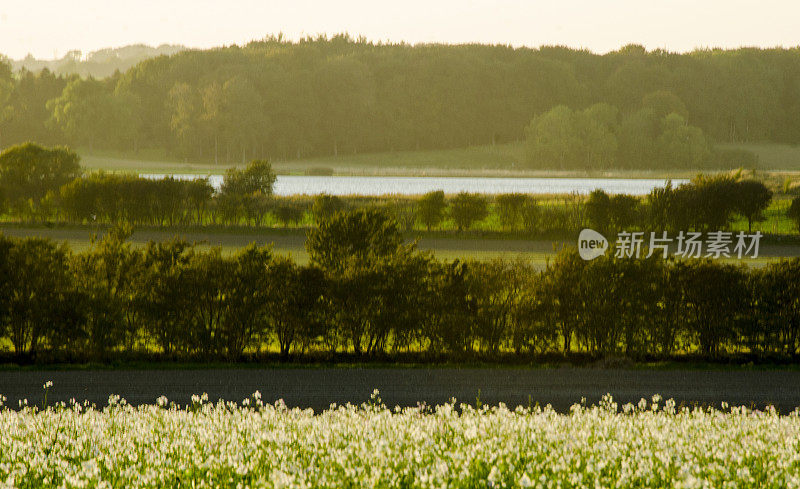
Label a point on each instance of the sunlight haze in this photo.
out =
(48, 29)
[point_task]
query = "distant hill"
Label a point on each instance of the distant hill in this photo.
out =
(98, 64)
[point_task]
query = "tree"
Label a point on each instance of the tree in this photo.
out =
(467, 208)
(511, 208)
(6, 91)
(257, 179)
(450, 307)
(659, 204)
(637, 139)
(186, 111)
(362, 235)
(706, 203)
(345, 93)
(164, 302)
(712, 311)
(284, 304)
(110, 274)
(247, 192)
(751, 199)
(681, 145)
(6, 283)
(495, 286)
(289, 214)
(293, 298)
(431, 208)
(777, 299)
(207, 286)
(598, 210)
(199, 193)
(243, 117)
(532, 216)
(794, 211)
(597, 126)
(561, 298)
(28, 172)
(42, 302)
(624, 211)
(87, 114)
(363, 253)
(565, 139)
(252, 289)
(313, 304)
(342, 95)
(552, 140)
(325, 207)
(211, 116)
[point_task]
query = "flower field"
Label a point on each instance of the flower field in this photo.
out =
(253, 444)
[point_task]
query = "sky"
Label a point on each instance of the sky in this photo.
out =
(50, 28)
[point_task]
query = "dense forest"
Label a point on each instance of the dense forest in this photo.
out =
(275, 99)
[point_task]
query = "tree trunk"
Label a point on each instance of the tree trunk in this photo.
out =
(216, 150)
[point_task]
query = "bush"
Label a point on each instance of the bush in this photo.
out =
(431, 209)
(466, 209)
(289, 214)
(511, 208)
(29, 171)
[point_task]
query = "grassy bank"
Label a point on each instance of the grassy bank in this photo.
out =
(502, 160)
(771, 156)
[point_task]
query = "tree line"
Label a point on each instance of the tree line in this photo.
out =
(46, 184)
(367, 293)
(276, 99)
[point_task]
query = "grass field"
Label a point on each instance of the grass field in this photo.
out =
(777, 162)
(291, 242)
(488, 159)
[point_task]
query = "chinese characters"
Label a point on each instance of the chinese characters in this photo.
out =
(716, 244)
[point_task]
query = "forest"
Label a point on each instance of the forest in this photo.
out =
(277, 99)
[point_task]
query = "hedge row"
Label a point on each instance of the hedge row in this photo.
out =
(365, 293)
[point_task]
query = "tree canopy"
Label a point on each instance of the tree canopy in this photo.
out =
(29, 171)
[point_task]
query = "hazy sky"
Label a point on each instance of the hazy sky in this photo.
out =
(49, 28)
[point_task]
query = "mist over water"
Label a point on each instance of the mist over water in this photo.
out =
(379, 185)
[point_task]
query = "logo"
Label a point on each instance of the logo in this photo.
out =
(716, 245)
(591, 244)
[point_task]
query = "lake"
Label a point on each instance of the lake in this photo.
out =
(365, 185)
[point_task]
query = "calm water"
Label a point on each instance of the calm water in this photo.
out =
(344, 185)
